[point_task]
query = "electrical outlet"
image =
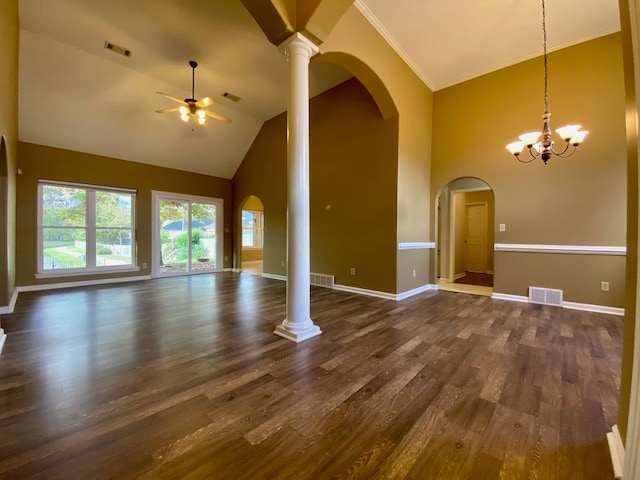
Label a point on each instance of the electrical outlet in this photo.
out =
(503, 227)
(604, 286)
(414, 273)
(144, 265)
(282, 263)
(353, 270)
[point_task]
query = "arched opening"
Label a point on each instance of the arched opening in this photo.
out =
(465, 211)
(251, 248)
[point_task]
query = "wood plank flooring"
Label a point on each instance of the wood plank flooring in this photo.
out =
(183, 378)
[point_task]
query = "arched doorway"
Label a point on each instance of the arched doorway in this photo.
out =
(252, 237)
(465, 236)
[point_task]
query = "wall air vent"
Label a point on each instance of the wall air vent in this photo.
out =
(231, 96)
(117, 49)
(545, 296)
(321, 280)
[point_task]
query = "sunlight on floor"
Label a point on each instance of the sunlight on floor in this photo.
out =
(464, 288)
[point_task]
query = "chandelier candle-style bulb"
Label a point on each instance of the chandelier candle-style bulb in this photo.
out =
(531, 142)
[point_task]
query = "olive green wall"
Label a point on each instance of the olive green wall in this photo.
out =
(353, 163)
(39, 162)
(9, 36)
(576, 201)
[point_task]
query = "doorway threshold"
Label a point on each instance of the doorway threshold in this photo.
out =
(465, 288)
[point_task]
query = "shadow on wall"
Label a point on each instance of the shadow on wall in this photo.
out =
(465, 229)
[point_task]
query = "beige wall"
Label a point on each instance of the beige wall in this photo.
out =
(575, 201)
(9, 35)
(352, 188)
(47, 163)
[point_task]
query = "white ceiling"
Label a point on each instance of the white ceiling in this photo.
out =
(75, 94)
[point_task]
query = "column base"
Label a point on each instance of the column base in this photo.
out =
(297, 336)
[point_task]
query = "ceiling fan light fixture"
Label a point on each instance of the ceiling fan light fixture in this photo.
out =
(200, 114)
(184, 117)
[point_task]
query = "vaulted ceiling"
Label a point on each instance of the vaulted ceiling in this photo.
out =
(75, 94)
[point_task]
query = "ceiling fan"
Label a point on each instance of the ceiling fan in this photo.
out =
(191, 107)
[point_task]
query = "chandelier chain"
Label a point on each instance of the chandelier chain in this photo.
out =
(544, 49)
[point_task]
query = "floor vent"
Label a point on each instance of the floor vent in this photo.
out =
(546, 296)
(322, 280)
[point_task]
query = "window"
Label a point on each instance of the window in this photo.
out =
(85, 229)
(252, 228)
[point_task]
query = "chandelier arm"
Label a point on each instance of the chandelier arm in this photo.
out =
(560, 154)
(532, 156)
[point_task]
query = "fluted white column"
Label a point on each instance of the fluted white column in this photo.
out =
(297, 325)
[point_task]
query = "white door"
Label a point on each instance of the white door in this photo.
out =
(476, 237)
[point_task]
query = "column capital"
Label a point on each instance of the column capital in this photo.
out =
(298, 40)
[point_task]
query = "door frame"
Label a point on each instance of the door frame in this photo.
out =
(156, 196)
(452, 225)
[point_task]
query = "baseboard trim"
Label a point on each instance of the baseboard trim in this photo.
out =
(12, 304)
(616, 450)
(3, 338)
(510, 298)
(587, 307)
(83, 283)
(364, 291)
(275, 277)
(416, 291)
(458, 275)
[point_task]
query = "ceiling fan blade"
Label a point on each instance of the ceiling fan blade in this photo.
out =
(167, 110)
(172, 98)
(205, 102)
(217, 115)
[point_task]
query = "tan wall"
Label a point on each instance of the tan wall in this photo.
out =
(47, 163)
(352, 183)
(354, 35)
(9, 35)
(575, 201)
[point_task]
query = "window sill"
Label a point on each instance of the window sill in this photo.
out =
(252, 248)
(85, 272)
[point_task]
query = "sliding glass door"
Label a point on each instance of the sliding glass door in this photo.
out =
(188, 234)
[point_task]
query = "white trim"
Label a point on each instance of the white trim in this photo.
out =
(594, 308)
(12, 303)
(616, 450)
(88, 185)
(587, 307)
(82, 283)
(275, 277)
(373, 20)
(81, 272)
(416, 291)
(3, 338)
(573, 249)
(510, 298)
(416, 245)
(364, 291)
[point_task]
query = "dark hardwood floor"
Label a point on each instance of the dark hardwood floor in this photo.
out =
(183, 378)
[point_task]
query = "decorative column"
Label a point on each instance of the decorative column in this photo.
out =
(297, 325)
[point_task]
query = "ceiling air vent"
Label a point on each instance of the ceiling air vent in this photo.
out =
(231, 96)
(117, 49)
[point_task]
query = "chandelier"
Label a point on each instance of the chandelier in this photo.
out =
(545, 148)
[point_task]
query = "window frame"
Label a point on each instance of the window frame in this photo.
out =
(258, 229)
(91, 232)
